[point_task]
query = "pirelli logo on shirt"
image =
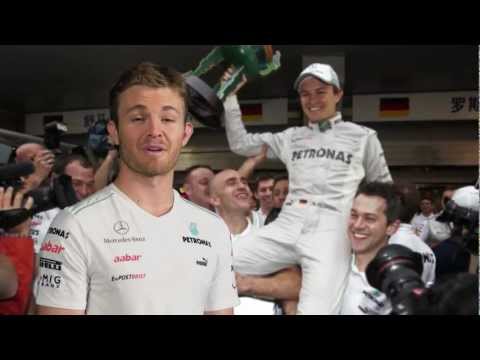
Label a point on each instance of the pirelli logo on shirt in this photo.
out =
(50, 264)
(193, 240)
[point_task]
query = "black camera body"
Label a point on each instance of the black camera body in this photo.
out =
(465, 224)
(58, 193)
(396, 271)
(98, 138)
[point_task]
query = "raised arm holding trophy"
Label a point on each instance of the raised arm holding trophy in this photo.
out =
(326, 161)
(251, 61)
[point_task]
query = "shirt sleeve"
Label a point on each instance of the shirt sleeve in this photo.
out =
(375, 164)
(223, 291)
(429, 264)
(249, 144)
(62, 279)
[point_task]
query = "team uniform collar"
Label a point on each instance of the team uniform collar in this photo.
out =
(326, 124)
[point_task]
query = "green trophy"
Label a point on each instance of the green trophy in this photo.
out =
(205, 102)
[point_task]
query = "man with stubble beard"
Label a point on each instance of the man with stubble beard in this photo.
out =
(137, 247)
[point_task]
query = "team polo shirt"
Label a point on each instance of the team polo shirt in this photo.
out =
(421, 223)
(109, 256)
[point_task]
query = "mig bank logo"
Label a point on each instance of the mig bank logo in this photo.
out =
(52, 281)
(194, 229)
(121, 227)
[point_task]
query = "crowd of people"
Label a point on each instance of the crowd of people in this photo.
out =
(230, 241)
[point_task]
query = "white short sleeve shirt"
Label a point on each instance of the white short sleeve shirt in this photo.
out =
(106, 255)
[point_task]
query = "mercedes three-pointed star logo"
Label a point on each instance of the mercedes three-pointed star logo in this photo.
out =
(121, 227)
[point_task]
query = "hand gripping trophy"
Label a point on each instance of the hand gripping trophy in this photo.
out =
(206, 103)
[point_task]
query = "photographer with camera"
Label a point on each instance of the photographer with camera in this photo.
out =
(459, 253)
(43, 160)
(81, 172)
(16, 256)
(375, 216)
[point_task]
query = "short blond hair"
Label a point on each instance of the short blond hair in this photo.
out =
(147, 74)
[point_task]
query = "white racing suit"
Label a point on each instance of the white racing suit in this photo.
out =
(325, 164)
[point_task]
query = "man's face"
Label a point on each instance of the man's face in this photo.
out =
(83, 180)
(368, 230)
(318, 99)
(151, 129)
(230, 192)
(426, 207)
(264, 193)
(197, 186)
(280, 192)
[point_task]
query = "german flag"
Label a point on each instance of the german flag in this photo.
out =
(394, 107)
(251, 112)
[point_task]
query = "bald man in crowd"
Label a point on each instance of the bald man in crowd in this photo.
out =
(230, 196)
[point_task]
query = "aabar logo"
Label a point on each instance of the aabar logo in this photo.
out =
(126, 257)
(59, 232)
(53, 248)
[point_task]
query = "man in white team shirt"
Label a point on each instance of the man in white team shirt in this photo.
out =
(264, 195)
(374, 218)
(137, 247)
(421, 220)
(229, 194)
(326, 160)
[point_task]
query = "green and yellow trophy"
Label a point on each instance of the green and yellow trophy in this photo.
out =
(206, 102)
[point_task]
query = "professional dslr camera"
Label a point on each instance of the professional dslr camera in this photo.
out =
(59, 193)
(54, 129)
(98, 138)
(462, 212)
(396, 271)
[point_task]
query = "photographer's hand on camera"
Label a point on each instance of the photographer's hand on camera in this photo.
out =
(43, 162)
(10, 201)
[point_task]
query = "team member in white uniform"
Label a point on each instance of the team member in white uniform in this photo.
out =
(230, 197)
(136, 247)
(264, 196)
(326, 160)
(421, 221)
(373, 220)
